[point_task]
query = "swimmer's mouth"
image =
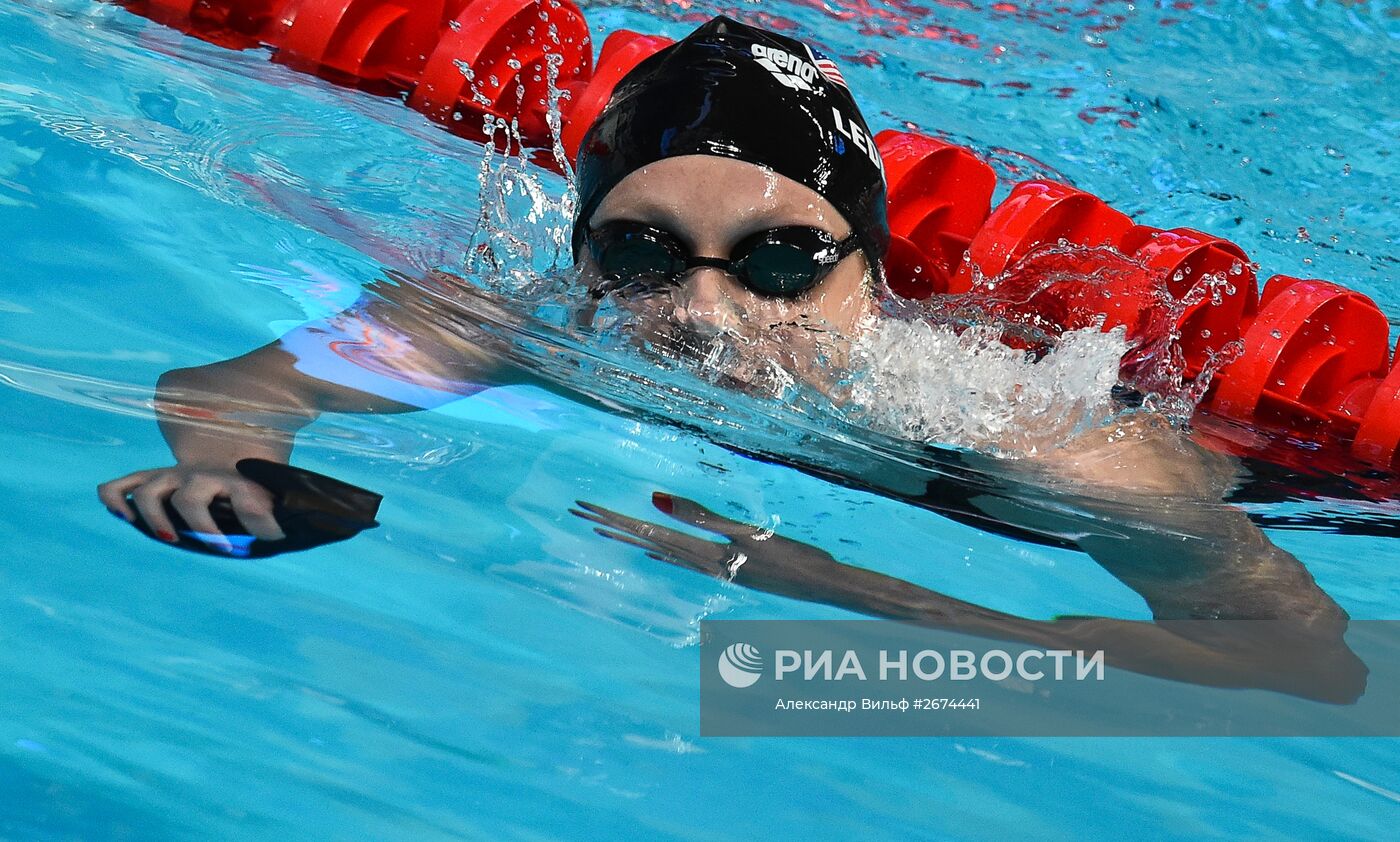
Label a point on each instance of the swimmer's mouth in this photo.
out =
(721, 361)
(639, 287)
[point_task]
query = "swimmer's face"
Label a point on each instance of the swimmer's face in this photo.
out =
(712, 203)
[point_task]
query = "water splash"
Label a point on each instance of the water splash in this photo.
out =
(523, 225)
(927, 382)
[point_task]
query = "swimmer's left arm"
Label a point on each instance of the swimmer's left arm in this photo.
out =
(1284, 656)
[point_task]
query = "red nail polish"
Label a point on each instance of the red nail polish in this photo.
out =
(662, 501)
(165, 536)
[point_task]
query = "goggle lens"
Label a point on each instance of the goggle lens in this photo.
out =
(781, 263)
(780, 269)
(638, 257)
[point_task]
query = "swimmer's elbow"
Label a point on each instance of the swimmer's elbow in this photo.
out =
(178, 384)
(1336, 677)
(1312, 662)
(200, 384)
(190, 394)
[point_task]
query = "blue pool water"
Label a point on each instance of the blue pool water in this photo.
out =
(483, 665)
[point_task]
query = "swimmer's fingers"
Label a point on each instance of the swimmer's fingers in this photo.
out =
(638, 532)
(626, 538)
(682, 509)
(113, 493)
(691, 512)
(150, 502)
(701, 556)
(747, 541)
(610, 518)
(192, 501)
(667, 541)
(649, 536)
(253, 505)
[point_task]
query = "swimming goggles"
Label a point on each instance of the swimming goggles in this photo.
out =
(777, 263)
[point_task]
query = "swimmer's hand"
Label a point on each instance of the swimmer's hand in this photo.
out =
(751, 556)
(758, 558)
(217, 512)
(190, 490)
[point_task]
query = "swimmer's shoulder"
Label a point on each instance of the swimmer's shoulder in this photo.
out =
(1141, 454)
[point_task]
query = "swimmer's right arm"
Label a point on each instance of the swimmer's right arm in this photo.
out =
(253, 406)
(214, 415)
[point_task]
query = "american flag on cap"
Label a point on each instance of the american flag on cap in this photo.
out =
(826, 66)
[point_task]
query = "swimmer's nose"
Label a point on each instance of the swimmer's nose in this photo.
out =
(705, 300)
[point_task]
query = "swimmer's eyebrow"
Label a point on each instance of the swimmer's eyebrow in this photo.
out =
(768, 220)
(647, 211)
(672, 219)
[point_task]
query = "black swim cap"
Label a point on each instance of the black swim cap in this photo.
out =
(738, 92)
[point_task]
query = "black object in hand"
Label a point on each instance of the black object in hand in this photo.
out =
(312, 509)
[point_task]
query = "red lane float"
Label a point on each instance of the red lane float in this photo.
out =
(1377, 438)
(360, 41)
(1212, 282)
(493, 60)
(1308, 361)
(228, 23)
(621, 51)
(1045, 259)
(459, 61)
(1310, 340)
(1039, 213)
(939, 196)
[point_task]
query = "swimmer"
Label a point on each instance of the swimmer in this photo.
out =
(731, 191)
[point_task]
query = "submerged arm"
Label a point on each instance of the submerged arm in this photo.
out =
(1305, 659)
(1146, 503)
(376, 359)
(397, 353)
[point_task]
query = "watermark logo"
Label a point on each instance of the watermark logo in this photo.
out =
(740, 665)
(885, 678)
